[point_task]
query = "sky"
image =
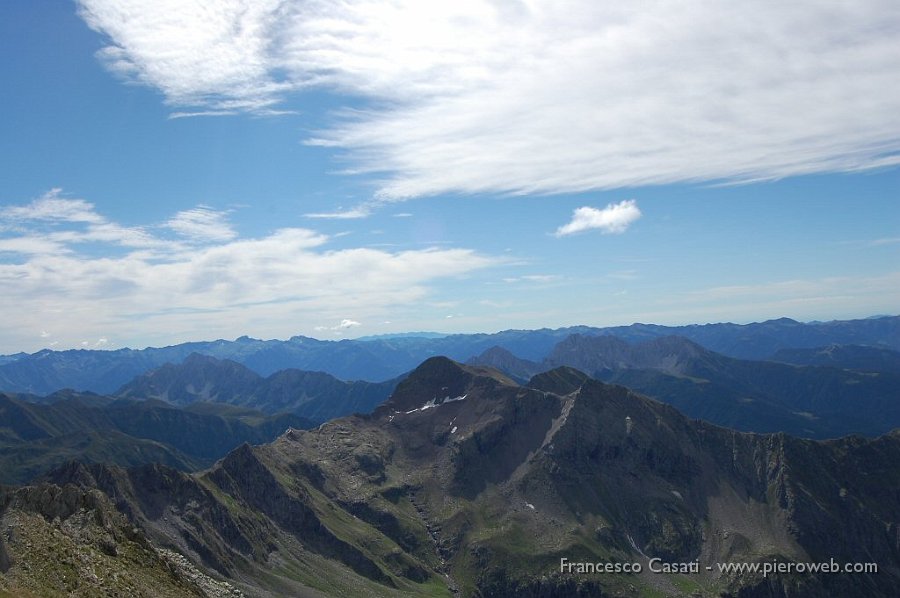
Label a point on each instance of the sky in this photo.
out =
(185, 170)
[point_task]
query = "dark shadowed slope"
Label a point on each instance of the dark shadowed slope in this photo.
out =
(38, 437)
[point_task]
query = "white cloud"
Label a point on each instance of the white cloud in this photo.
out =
(614, 218)
(344, 324)
(30, 244)
(202, 224)
(477, 96)
(351, 214)
(52, 207)
(177, 115)
(197, 53)
(52, 221)
(271, 286)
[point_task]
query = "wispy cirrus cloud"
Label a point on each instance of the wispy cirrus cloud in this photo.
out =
(160, 287)
(53, 207)
(538, 97)
(615, 218)
(51, 222)
(362, 211)
(202, 224)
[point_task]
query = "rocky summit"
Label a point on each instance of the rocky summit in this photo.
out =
(465, 483)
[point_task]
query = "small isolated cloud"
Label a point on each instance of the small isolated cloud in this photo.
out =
(613, 219)
(351, 214)
(177, 115)
(202, 224)
(339, 328)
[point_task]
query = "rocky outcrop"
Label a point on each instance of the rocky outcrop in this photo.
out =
(67, 540)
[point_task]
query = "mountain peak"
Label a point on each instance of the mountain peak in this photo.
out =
(439, 379)
(561, 381)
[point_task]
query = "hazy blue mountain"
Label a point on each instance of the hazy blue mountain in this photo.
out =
(853, 357)
(314, 395)
(762, 339)
(499, 358)
(750, 395)
(11, 358)
(384, 358)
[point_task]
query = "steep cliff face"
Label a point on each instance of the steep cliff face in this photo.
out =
(465, 483)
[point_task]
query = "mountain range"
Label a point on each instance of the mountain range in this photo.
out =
(466, 483)
(379, 359)
(90, 428)
(815, 401)
(314, 395)
(269, 468)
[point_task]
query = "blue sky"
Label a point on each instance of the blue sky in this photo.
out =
(173, 171)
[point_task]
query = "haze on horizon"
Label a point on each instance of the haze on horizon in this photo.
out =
(184, 170)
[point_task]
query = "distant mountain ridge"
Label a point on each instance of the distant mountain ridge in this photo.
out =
(854, 357)
(749, 395)
(314, 395)
(381, 359)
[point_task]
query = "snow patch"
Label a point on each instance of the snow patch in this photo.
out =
(530, 506)
(453, 431)
(434, 403)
